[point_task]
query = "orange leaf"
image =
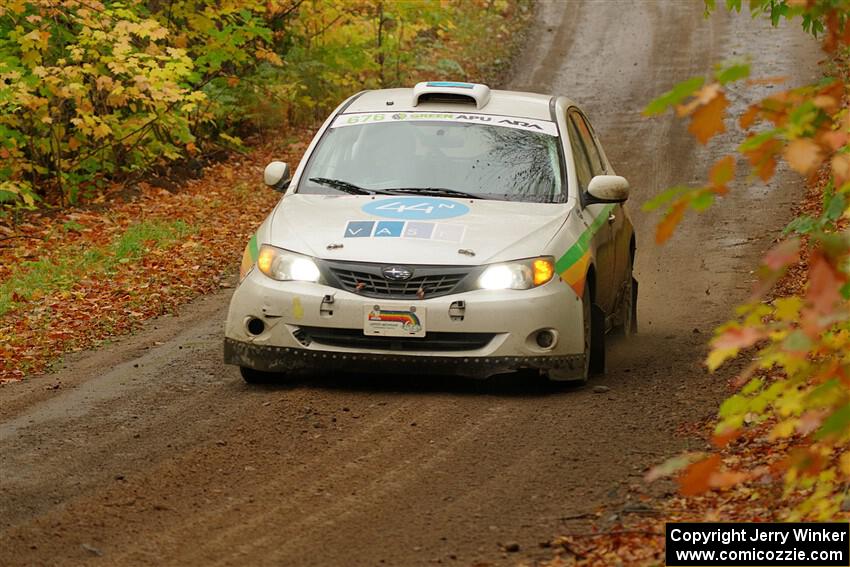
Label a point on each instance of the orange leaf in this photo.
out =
(763, 158)
(825, 283)
(722, 172)
(841, 168)
(702, 97)
(697, 477)
(782, 255)
(666, 227)
(803, 155)
(707, 120)
(749, 117)
(834, 139)
(825, 102)
(737, 337)
(725, 479)
(720, 440)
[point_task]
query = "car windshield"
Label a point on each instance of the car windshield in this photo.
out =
(438, 154)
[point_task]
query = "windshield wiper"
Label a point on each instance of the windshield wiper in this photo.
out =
(347, 187)
(438, 191)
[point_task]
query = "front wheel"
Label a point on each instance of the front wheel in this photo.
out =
(593, 319)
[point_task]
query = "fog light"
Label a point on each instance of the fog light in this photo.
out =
(255, 326)
(545, 339)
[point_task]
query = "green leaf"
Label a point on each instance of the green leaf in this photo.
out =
(797, 341)
(732, 73)
(836, 207)
(674, 96)
(836, 423)
(734, 405)
(752, 386)
(702, 201)
(672, 465)
(801, 225)
(666, 196)
(757, 140)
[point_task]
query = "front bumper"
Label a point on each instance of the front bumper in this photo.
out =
(302, 331)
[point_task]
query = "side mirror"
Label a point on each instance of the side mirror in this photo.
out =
(276, 176)
(608, 189)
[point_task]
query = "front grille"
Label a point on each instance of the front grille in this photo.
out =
(427, 281)
(378, 285)
(354, 338)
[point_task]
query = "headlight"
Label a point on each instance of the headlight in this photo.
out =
(522, 274)
(284, 265)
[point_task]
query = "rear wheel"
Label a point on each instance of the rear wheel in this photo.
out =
(252, 376)
(627, 316)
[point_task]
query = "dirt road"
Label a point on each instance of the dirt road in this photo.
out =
(151, 452)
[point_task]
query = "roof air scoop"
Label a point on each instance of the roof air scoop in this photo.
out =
(451, 92)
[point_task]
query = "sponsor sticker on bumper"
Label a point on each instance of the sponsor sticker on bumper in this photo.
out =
(392, 321)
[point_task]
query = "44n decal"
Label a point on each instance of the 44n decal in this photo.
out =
(416, 208)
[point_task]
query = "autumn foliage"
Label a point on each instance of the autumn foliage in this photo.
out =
(793, 396)
(95, 91)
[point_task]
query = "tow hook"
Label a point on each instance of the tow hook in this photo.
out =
(326, 308)
(457, 310)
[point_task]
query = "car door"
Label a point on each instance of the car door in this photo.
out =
(620, 228)
(595, 216)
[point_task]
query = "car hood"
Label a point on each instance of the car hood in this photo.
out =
(414, 230)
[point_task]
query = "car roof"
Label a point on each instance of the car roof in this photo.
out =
(498, 102)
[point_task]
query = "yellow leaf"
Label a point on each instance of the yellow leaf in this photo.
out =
(787, 308)
(101, 130)
(783, 429)
(718, 356)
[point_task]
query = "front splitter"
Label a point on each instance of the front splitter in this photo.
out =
(285, 359)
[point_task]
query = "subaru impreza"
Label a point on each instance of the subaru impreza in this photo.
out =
(445, 228)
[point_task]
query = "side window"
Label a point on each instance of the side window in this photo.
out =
(583, 172)
(596, 164)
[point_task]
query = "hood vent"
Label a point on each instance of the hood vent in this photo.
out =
(452, 93)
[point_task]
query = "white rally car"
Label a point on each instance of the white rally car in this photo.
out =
(447, 228)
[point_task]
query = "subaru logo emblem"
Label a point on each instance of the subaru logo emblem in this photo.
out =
(397, 273)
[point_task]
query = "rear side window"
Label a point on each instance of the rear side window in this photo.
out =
(583, 171)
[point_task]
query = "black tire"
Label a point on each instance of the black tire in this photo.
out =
(633, 328)
(596, 362)
(627, 316)
(252, 376)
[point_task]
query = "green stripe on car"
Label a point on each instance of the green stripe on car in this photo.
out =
(253, 248)
(582, 244)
